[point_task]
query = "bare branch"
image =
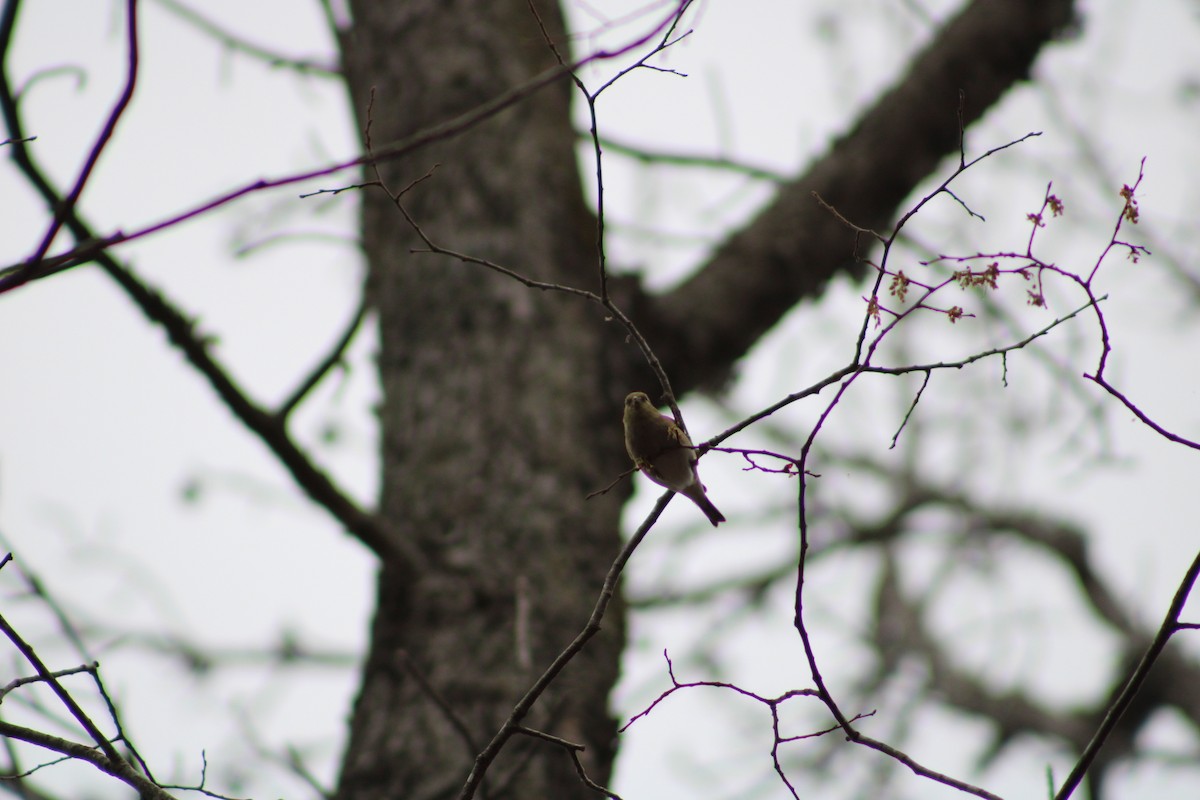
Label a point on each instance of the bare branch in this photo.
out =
(573, 750)
(118, 768)
(1137, 412)
(238, 43)
(1125, 698)
(17, 683)
(333, 359)
(685, 160)
(66, 206)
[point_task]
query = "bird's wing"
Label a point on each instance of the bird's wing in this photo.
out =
(676, 434)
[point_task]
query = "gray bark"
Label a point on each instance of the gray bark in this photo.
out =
(499, 415)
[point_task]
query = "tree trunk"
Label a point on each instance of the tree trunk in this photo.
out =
(500, 414)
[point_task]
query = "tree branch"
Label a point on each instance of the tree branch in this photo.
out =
(1123, 700)
(791, 250)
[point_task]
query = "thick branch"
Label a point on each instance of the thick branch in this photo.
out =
(789, 252)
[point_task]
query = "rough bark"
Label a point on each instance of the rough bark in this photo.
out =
(502, 406)
(499, 415)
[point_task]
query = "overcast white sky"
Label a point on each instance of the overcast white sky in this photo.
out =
(104, 430)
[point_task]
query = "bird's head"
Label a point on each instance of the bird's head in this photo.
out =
(637, 400)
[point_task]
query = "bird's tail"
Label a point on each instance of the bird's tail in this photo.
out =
(701, 499)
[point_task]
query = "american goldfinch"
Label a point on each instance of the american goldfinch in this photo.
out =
(664, 453)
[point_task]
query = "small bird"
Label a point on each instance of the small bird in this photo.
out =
(664, 453)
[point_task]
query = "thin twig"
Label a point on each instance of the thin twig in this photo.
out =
(66, 206)
(1141, 415)
(911, 409)
(452, 716)
(686, 160)
(1130, 690)
(236, 42)
(333, 359)
(17, 683)
(573, 750)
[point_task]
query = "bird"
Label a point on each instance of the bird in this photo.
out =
(664, 453)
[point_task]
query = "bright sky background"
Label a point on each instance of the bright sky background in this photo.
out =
(145, 507)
